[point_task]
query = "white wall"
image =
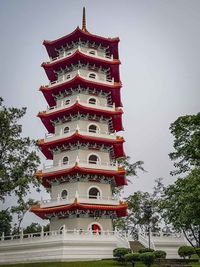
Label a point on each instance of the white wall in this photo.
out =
(81, 187)
(83, 126)
(83, 98)
(82, 155)
(80, 223)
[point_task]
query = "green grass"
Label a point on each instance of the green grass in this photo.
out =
(101, 263)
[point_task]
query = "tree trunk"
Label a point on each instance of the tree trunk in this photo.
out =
(188, 239)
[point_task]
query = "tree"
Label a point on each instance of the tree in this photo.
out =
(186, 251)
(130, 168)
(147, 258)
(143, 210)
(18, 158)
(186, 132)
(181, 206)
(35, 228)
(5, 219)
(21, 209)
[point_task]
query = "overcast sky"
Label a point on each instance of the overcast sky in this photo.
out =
(160, 69)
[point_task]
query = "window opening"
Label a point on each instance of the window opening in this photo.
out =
(65, 160)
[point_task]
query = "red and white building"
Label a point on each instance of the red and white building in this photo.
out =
(82, 121)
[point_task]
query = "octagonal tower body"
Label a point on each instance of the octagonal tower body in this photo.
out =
(82, 120)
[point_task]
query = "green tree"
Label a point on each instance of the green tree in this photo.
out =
(18, 162)
(186, 132)
(181, 206)
(143, 210)
(5, 219)
(18, 158)
(131, 168)
(20, 210)
(35, 228)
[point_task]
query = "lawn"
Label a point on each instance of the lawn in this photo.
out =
(102, 263)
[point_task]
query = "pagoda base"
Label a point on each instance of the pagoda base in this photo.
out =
(60, 246)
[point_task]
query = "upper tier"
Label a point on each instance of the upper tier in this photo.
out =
(110, 43)
(69, 63)
(59, 114)
(64, 87)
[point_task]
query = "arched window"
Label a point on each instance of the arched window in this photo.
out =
(92, 52)
(92, 101)
(93, 159)
(67, 102)
(93, 128)
(64, 194)
(66, 130)
(96, 229)
(94, 193)
(65, 160)
(92, 75)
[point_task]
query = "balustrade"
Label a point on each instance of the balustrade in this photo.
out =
(67, 53)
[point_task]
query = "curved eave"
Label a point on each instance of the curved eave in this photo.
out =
(117, 144)
(46, 177)
(121, 209)
(50, 68)
(78, 33)
(77, 80)
(48, 117)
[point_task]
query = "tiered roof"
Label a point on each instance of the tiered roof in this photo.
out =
(57, 115)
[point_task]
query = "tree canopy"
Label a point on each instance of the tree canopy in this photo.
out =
(181, 206)
(18, 158)
(186, 132)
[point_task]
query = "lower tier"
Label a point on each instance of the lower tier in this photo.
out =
(82, 224)
(60, 246)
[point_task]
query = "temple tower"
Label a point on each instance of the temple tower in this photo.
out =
(82, 120)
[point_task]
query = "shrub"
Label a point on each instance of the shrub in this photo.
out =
(144, 250)
(119, 253)
(147, 258)
(186, 251)
(197, 251)
(160, 254)
(132, 257)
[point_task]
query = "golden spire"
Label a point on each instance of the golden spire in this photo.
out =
(84, 21)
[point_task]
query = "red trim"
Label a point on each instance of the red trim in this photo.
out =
(41, 212)
(77, 80)
(48, 117)
(117, 144)
(78, 33)
(118, 175)
(50, 68)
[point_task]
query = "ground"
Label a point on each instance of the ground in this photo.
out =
(103, 263)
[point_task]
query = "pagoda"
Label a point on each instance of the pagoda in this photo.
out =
(82, 120)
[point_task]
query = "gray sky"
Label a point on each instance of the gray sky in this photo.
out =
(160, 70)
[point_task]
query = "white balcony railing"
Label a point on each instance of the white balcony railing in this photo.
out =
(68, 77)
(77, 100)
(59, 234)
(113, 166)
(97, 134)
(70, 52)
(106, 200)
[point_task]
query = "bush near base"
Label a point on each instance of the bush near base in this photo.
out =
(132, 258)
(144, 250)
(186, 251)
(147, 258)
(119, 253)
(197, 251)
(160, 254)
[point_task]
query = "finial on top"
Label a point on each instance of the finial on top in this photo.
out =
(84, 21)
